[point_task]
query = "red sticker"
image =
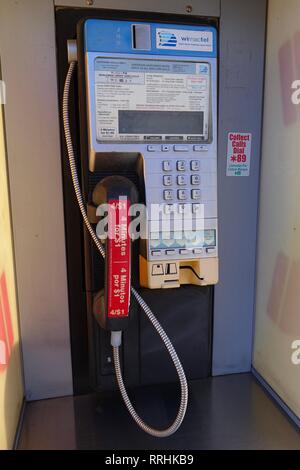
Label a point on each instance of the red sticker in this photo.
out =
(118, 262)
(6, 330)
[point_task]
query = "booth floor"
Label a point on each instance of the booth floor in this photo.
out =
(230, 412)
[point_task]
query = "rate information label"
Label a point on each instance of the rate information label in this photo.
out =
(238, 154)
(118, 259)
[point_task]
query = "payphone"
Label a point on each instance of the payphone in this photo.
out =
(150, 95)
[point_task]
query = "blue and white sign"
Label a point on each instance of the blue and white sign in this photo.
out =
(184, 40)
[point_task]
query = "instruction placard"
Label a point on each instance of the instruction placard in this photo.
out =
(238, 153)
(136, 100)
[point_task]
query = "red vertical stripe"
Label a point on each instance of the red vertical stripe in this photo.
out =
(6, 330)
(6, 308)
(3, 339)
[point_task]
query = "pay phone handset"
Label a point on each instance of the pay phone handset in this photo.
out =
(151, 95)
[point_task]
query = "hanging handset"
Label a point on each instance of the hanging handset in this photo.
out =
(115, 194)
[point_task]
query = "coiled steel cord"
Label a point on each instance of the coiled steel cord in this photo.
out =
(181, 375)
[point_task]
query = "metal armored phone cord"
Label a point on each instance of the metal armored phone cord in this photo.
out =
(116, 336)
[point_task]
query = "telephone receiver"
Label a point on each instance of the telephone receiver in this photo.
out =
(111, 304)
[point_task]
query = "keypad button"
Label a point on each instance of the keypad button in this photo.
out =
(170, 252)
(154, 148)
(156, 253)
(195, 165)
(211, 250)
(168, 209)
(200, 148)
(167, 165)
(181, 208)
(165, 148)
(182, 194)
(184, 252)
(181, 148)
(181, 180)
(195, 180)
(168, 180)
(196, 194)
(198, 251)
(197, 208)
(168, 195)
(181, 165)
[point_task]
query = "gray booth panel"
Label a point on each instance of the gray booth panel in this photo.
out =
(241, 78)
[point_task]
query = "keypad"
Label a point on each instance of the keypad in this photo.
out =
(181, 189)
(181, 185)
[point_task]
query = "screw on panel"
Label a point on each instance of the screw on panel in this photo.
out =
(90, 2)
(189, 8)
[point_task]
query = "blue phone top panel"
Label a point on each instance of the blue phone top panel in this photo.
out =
(165, 39)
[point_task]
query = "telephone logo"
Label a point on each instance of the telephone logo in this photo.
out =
(167, 39)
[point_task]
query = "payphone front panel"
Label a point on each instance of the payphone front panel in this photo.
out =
(152, 91)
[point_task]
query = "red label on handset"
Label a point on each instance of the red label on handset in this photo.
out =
(118, 262)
